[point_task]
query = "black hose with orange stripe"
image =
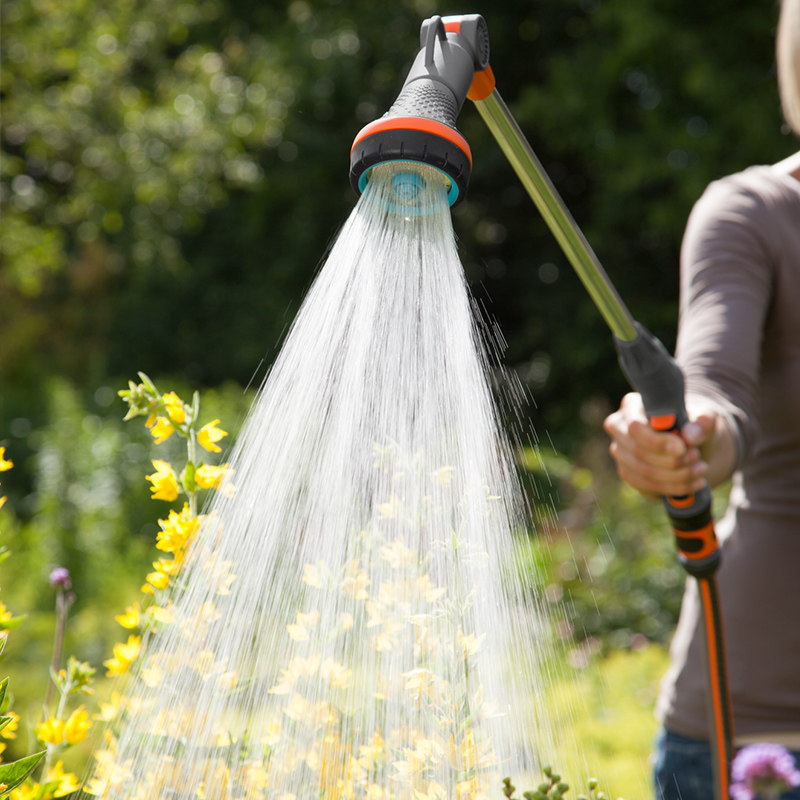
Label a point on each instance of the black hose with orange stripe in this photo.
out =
(453, 64)
(653, 373)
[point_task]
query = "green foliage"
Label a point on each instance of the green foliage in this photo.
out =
(603, 713)
(132, 148)
(553, 788)
(87, 508)
(16, 772)
(602, 556)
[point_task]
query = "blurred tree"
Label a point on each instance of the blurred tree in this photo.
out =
(173, 172)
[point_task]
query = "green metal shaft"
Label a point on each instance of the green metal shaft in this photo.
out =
(512, 141)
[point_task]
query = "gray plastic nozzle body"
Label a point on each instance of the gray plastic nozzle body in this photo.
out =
(439, 79)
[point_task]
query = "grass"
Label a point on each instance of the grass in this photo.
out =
(604, 714)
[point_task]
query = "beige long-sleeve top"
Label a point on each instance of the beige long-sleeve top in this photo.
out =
(739, 345)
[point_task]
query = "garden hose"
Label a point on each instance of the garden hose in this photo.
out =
(453, 64)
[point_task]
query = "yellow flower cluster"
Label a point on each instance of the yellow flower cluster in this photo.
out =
(386, 601)
(313, 729)
(56, 783)
(5, 465)
(124, 656)
(167, 414)
(72, 730)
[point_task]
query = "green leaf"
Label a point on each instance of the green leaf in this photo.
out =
(10, 624)
(195, 409)
(148, 383)
(189, 482)
(5, 721)
(3, 690)
(13, 774)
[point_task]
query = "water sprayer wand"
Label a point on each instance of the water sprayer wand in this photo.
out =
(453, 64)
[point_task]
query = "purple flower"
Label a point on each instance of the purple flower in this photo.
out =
(59, 578)
(763, 770)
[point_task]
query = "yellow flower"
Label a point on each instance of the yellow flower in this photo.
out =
(161, 429)
(77, 726)
(28, 791)
(345, 621)
(391, 509)
(355, 582)
(176, 530)
(109, 710)
(217, 572)
(10, 731)
(337, 675)
(208, 476)
(209, 434)
(124, 656)
(131, 617)
(311, 575)
(174, 408)
(5, 614)
(444, 475)
(67, 782)
(165, 486)
(159, 614)
(468, 644)
(163, 570)
(51, 731)
(152, 675)
(4, 463)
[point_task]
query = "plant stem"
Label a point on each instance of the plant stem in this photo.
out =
(192, 448)
(62, 606)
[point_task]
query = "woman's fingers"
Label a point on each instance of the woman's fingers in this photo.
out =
(658, 475)
(654, 462)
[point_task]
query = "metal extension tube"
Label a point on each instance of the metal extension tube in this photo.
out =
(512, 141)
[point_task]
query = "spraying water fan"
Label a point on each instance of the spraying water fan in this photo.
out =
(418, 134)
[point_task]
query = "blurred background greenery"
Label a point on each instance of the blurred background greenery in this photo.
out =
(173, 172)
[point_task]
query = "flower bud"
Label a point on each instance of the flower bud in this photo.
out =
(59, 578)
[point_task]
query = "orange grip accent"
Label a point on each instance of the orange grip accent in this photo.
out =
(706, 535)
(665, 422)
(415, 123)
(681, 502)
(483, 82)
(482, 85)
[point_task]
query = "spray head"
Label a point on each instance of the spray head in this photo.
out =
(420, 127)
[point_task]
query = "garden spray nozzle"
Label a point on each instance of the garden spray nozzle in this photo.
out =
(421, 124)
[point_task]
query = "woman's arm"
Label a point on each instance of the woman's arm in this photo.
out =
(726, 289)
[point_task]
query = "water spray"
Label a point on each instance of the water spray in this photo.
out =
(419, 129)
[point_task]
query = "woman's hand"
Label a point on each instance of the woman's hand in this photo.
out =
(657, 463)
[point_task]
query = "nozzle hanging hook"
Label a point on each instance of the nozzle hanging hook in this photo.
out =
(432, 29)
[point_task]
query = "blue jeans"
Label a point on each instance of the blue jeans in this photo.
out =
(682, 769)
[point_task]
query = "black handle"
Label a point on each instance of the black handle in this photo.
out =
(652, 372)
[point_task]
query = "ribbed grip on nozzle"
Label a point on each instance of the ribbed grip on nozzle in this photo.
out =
(426, 98)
